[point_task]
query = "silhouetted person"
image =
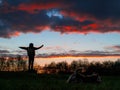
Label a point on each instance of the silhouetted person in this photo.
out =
(31, 54)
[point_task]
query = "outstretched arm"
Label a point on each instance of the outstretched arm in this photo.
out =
(39, 47)
(23, 48)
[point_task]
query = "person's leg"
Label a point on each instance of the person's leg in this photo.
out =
(32, 63)
(29, 64)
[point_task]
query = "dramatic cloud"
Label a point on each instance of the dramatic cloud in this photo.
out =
(73, 16)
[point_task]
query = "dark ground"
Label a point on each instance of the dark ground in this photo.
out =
(33, 81)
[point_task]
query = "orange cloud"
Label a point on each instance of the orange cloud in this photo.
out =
(16, 33)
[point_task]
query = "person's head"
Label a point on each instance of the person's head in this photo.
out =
(31, 45)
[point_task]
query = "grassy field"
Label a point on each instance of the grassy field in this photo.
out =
(32, 81)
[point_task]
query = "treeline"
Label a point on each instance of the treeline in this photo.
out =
(104, 68)
(20, 64)
(13, 64)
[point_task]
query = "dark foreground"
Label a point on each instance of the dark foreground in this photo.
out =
(32, 81)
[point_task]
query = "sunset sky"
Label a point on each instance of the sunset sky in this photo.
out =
(65, 27)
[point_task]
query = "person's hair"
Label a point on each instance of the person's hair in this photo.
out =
(31, 45)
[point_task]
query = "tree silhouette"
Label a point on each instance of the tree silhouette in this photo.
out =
(2, 63)
(21, 64)
(62, 66)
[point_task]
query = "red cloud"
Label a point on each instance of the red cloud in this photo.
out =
(79, 16)
(91, 26)
(67, 29)
(36, 6)
(13, 34)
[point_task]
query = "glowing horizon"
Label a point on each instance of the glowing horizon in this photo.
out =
(42, 61)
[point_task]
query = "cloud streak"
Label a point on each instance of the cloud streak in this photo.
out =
(71, 53)
(77, 16)
(114, 48)
(80, 54)
(4, 51)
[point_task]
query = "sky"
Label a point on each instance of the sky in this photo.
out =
(65, 27)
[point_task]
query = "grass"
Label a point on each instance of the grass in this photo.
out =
(32, 81)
